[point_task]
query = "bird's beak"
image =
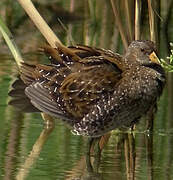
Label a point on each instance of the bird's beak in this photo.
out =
(153, 57)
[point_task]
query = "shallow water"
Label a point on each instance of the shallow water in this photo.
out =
(30, 151)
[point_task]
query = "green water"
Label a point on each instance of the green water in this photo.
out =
(30, 151)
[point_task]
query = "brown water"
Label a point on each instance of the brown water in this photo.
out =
(28, 150)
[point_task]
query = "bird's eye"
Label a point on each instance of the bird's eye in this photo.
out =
(142, 49)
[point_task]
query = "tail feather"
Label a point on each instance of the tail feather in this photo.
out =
(27, 71)
(19, 98)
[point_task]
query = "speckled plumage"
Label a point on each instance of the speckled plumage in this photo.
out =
(95, 90)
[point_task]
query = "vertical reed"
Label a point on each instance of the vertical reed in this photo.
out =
(119, 24)
(39, 22)
(138, 19)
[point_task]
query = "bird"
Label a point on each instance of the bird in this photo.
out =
(92, 89)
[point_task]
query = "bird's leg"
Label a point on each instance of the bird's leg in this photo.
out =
(150, 118)
(93, 146)
(88, 154)
(97, 154)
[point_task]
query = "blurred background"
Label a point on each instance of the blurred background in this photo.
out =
(138, 155)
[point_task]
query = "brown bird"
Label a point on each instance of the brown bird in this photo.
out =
(95, 90)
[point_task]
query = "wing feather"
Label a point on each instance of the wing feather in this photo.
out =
(41, 99)
(74, 81)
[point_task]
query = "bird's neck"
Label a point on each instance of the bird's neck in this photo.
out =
(130, 60)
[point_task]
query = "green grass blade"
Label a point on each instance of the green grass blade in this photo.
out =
(7, 35)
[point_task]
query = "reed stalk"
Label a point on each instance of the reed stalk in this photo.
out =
(152, 22)
(119, 24)
(137, 19)
(129, 17)
(40, 23)
(11, 43)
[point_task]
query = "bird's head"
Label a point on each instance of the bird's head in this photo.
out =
(144, 52)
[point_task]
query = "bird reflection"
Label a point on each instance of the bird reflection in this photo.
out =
(89, 167)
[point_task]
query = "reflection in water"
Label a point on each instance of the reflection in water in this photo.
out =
(10, 154)
(119, 154)
(94, 168)
(129, 148)
(149, 148)
(125, 156)
(35, 152)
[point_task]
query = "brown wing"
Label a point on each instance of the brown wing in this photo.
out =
(80, 53)
(82, 89)
(85, 52)
(75, 80)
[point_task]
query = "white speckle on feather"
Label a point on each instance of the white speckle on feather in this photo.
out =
(98, 107)
(55, 89)
(47, 74)
(42, 82)
(41, 70)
